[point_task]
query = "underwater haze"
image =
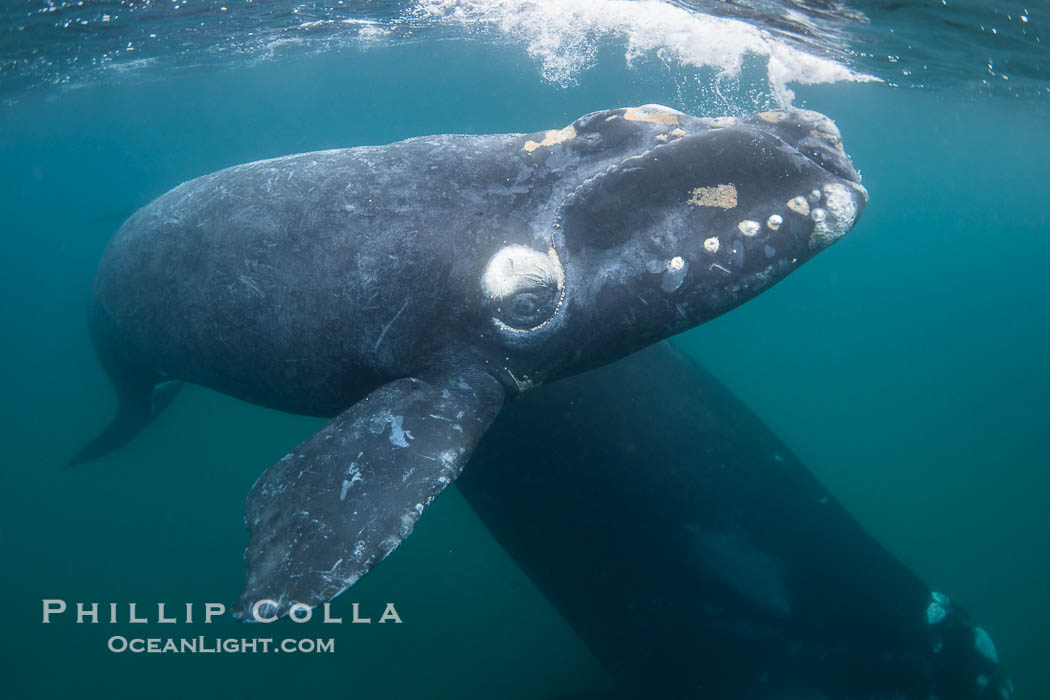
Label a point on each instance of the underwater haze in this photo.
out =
(906, 365)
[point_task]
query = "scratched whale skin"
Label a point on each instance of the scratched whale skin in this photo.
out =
(408, 291)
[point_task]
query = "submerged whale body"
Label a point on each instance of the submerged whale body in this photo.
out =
(410, 290)
(698, 558)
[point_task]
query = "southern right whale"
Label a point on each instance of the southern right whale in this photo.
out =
(699, 558)
(408, 291)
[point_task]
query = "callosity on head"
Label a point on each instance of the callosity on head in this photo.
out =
(677, 220)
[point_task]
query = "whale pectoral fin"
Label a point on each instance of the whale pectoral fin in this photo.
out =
(346, 497)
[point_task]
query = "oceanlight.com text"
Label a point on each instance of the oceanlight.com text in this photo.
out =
(218, 645)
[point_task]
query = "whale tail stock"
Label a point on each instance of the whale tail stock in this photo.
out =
(141, 396)
(135, 410)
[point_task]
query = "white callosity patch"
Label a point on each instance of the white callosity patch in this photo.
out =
(711, 244)
(721, 196)
(749, 228)
(774, 222)
(985, 645)
(565, 36)
(551, 138)
(655, 114)
(839, 202)
(937, 610)
(835, 218)
(822, 127)
(674, 274)
(517, 267)
(819, 217)
(799, 205)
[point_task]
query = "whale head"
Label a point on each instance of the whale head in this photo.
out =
(680, 219)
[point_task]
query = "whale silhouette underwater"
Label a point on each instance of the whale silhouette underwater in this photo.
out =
(410, 290)
(697, 557)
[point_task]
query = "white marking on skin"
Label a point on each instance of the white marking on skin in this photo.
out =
(382, 334)
(772, 117)
(799, 205)
(524, 384)
(552, 138)
(748, 227)
(662, 138)
(719, 122)
(355, 476)
(711, 244)
(833, 138)
(448, 459)
(609, 119)
(937, 610)
(716, 266)
(836, 218)
(678, 132)
(839, 202)
(408, 521)
(774, 221)
(721, 196)
(655, 114)
(985, 645)
(399, 437)
(673, 275)
(516, 267)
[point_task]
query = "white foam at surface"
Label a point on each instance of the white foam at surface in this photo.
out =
(563, 35)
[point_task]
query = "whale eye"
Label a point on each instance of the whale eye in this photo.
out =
(525, 287)
(525, 306)
(526, 310)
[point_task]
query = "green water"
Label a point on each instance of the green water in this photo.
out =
(906, 366)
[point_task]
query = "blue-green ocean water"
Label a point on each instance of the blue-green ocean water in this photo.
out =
(907, 366)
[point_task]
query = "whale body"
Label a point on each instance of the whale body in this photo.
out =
(410, 290)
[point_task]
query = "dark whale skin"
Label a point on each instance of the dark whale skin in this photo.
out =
(410, 290)
(699, 558)
(301, 283)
